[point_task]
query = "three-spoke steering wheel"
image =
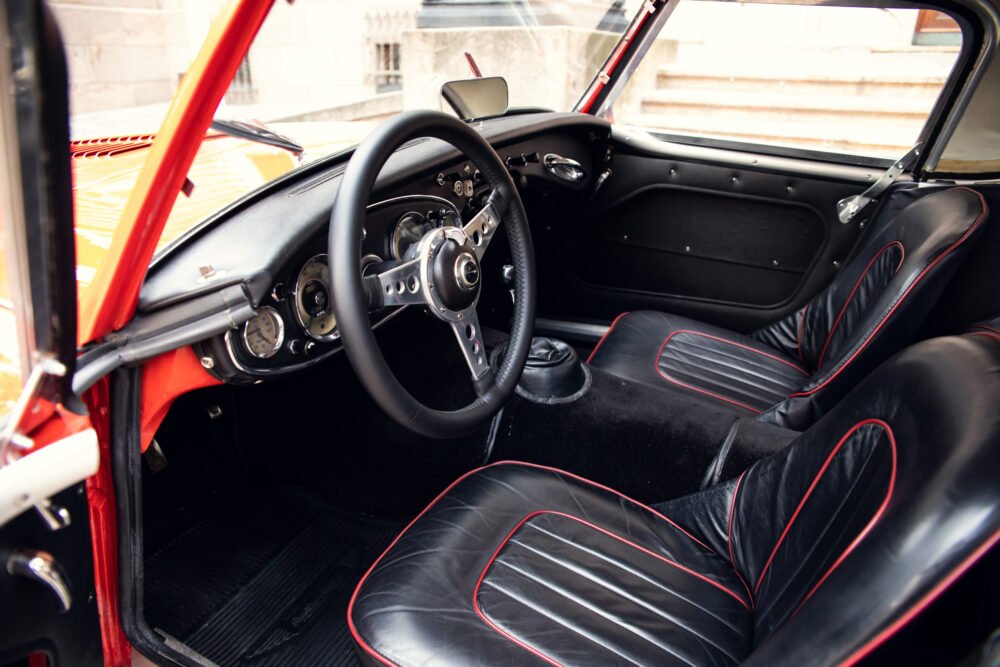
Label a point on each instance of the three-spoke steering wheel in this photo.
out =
(445, 276)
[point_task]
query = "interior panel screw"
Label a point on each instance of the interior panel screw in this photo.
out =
(207, 362)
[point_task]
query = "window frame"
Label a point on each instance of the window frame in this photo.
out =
(611, 79)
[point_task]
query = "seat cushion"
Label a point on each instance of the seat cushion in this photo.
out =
(712, 363)
(521, 564)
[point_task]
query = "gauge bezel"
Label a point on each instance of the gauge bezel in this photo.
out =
(397, 230)
(279, 340)
(297, 305)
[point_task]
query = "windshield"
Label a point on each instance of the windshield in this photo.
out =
(320, 75)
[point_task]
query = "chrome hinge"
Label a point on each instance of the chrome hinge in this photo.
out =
(849, 207)
(11, 439)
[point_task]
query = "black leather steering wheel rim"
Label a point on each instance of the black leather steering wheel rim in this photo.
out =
(352, 297)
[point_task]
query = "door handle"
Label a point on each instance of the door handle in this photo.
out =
(41, 567)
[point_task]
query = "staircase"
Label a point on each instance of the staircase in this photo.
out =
(870, 104)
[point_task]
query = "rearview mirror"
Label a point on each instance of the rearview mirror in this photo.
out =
(477, 98)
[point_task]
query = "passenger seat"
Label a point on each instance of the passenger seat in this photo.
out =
(794, 370)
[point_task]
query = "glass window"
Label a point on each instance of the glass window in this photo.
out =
(852, 80)
(323, 73)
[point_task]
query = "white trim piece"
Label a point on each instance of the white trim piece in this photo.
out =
(39, 475)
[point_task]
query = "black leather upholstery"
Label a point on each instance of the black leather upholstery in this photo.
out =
(707, 361)
(990, 326)
(794, 370)
(815, 555)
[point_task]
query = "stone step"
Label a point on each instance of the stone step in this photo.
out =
(891, 141)
(741, 106)
(669, 78)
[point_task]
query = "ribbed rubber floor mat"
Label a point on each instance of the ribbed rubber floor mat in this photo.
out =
(265, 582)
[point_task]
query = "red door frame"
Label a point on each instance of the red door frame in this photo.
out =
(112, 298)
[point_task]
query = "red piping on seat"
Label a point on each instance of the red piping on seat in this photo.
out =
(729, 537)
(988, 334)
(871, 523)
(482, 575)
(922, 603)
(850, 297)
(601, 342)
(350, 607)
(659, 353)
(909, 289)
(798, 335)
(826, 464)
(985, 327)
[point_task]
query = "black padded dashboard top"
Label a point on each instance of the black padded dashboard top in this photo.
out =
(252, 241)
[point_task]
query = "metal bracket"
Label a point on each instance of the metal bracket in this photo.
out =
(10, 437)
(849, 207)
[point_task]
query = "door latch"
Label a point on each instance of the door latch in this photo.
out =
(40, 566)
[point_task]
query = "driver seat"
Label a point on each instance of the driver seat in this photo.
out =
(816, 555)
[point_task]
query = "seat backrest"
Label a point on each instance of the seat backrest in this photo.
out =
(854, 527)
(877, 303)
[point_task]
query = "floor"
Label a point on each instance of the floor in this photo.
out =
(264, 581)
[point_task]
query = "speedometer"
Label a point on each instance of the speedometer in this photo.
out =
(312, 299)
(264, 334)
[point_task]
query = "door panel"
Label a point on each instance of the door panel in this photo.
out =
(47, 598)
(672, 240)
(733, 238)
(30, 614)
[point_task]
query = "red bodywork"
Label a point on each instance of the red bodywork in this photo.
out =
(111, 301)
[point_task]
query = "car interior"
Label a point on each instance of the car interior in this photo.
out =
(755, 322)
(745, 432)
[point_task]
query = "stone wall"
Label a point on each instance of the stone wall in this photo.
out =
(126, 53)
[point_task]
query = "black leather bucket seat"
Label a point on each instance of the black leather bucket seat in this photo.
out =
(816, 555)
(796, 369)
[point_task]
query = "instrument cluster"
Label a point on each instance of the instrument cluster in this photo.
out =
(296, 324)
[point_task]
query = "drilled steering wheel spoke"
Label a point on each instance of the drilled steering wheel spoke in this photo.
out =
(482, 227)
(470, 340)
(401, 285)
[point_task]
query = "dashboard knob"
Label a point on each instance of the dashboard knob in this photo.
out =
(295, 346)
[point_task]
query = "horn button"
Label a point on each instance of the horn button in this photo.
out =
(456, 274)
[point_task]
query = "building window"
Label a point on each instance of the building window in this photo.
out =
(241, 90)
(387, 74)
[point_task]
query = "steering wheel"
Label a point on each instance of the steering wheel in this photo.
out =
(444, 276)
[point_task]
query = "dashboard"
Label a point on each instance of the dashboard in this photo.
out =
(295, 323)
(273, 243)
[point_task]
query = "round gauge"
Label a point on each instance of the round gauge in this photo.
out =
(264, 334)
(408, 232)
(312, 300)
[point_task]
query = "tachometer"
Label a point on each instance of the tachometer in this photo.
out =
(264, 334)
(408, 232)
(312, 299)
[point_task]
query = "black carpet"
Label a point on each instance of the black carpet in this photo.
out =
(265, 581)
(649, 444)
